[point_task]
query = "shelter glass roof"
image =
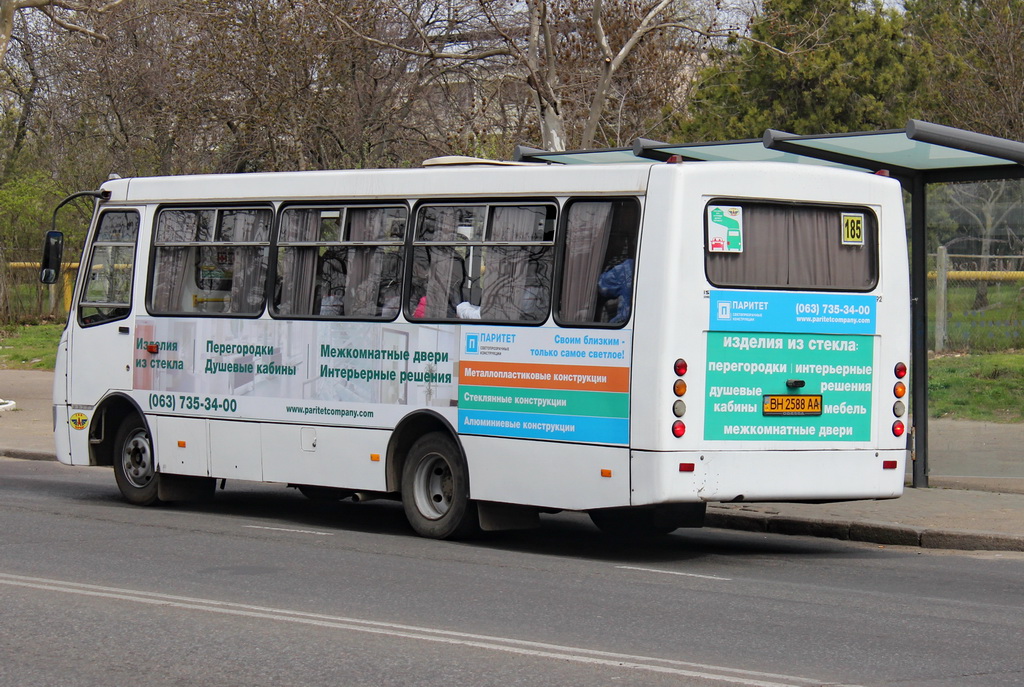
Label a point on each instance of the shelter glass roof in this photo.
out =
(921, 147)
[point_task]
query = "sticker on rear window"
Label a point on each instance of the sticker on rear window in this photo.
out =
(725, 229)
(853, 229)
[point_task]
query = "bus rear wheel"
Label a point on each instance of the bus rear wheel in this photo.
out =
(435, 489)
(135, 463)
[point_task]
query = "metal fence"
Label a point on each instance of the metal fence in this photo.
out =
(978, 302)
(23, 299)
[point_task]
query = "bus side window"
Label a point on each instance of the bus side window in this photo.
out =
(107, 294)
(210, 261)
(482, 262)
(517, 278)
(339, 262)
(599, 262)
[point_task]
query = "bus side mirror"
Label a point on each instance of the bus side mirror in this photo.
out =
(53, 253)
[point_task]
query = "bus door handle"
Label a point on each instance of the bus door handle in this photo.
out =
(123, 330)
(795, 383)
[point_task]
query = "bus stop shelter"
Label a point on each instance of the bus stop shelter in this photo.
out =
(918, 155)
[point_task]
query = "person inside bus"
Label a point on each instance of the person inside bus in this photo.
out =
(436, 266)
(615, 285)
(333, 271)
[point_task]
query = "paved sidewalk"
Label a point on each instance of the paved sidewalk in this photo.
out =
(976, 499)
(26, 430)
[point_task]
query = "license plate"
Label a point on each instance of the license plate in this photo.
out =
(783, 404)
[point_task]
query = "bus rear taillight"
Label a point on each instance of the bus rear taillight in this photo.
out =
(679, 389)
(899, 390)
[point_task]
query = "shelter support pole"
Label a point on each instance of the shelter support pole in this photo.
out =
(919, 329)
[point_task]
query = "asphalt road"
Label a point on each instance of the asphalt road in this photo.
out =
(262, 587)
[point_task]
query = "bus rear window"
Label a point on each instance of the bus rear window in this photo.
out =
(790, 246)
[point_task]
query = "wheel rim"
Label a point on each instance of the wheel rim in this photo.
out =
(137, 459)
(433, 487)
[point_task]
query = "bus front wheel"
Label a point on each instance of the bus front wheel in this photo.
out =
(135, 463)
(435, 489)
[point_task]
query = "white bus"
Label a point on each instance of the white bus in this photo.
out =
(488, 342)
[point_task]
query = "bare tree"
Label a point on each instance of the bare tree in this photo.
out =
(986, 206)
(238, 86)
(569, 53)
(67, 14)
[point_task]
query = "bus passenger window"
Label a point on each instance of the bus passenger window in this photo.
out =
(482, 262)
(599, 263)
(210, 260)
(340, 262)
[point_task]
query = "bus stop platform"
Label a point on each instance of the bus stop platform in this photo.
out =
(975, 500)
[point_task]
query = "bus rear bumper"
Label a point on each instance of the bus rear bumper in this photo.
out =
(724, 476)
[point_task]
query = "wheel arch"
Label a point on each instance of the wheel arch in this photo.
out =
(405, 434)
(111, 411)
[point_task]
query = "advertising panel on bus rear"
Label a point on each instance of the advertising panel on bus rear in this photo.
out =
(790, 366)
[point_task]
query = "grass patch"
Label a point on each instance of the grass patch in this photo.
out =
(998, 327)
(29, 347)
(977, 387)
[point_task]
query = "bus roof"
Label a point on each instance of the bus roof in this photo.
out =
(446, 181)
(437, 181)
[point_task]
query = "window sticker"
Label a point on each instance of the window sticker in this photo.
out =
(725, 229)
(853, 228)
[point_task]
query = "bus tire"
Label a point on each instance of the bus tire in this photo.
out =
(435, 489)
(135, 462)
(630, 522)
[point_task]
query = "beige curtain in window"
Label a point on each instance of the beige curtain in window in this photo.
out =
(818, 258)
(442, 266)
(766, 251)
(297, 266)
(249, 263)
(173, 263)
(365, 262)
(506, 267)
(588, 228)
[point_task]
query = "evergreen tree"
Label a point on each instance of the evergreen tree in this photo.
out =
(812, 66)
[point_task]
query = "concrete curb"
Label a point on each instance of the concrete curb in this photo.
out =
(25, 454)
(865, 531)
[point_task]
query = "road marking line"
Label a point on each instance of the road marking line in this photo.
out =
(285, 529)
(504, 644)
(673, 572)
